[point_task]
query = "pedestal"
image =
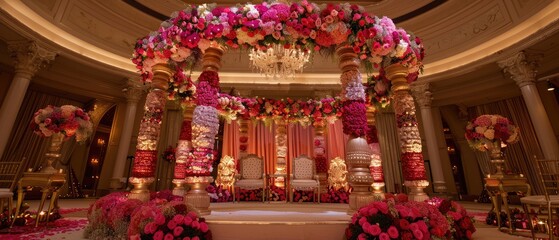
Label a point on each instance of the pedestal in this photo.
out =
(141, 188)
(53, 154)
(198, 197)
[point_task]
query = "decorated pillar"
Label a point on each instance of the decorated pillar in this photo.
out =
(375, 166)
(183, 153)
(281, 150)
(145, 159)
(28, 58)
(423, 97)
(133, 92)
(354, 120)
(522, 69)
(413, 167)
(205, 126)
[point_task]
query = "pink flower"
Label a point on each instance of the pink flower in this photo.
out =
(384, 236)
(204, 227)
(178, 230)
(150, 228)
(172, 224)
(179, 218)
(195, 224)
(158, 235)
(375, 230)
(418, 234)
(393, 232)
(187, 221)
(159, 219)
(169, 236)
(195, 238)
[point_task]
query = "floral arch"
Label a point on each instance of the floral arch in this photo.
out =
(199, 34)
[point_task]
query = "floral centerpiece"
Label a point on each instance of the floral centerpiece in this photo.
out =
(487, 130)
(67, 119)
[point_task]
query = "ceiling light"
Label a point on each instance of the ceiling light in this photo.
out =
(279, 61)
(550, 86)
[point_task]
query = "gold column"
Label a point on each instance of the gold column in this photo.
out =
(358, 153)
(143, 171)
(319, 135)
(413, 167)
(198, 196)
(281, 150)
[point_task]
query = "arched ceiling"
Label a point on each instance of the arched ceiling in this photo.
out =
(461, 37)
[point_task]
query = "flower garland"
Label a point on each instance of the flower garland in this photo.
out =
(182, 87)
(183, 151)
(66, 119)
(486, 130)
(320, 154)
(229, 107)
(181, 39)
(378, 90)
(205, 125)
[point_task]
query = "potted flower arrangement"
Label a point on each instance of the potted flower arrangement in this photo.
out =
(489, 132)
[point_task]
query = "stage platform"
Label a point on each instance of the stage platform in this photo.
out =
(278, 221)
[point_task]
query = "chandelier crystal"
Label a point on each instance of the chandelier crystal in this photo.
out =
(279, 61)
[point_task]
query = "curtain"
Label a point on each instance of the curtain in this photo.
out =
(390, 151)
(518, 156)
(300, 141)
(169, 135)
(335, 140)
(262, 143)
(230, 140)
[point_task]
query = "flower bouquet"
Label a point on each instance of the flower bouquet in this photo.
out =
(461, 224)
(488, 131)
(67, 119)
(335, 196)
(218, 194)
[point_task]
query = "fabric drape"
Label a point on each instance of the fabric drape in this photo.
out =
(390, 151)
(300, 141)
(169, 136)
(518, 156)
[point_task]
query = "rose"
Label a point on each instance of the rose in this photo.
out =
(393, 231)
(178, 230)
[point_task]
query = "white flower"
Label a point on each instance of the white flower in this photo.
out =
(489, 134)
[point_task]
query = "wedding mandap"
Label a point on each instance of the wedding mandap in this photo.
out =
(279, 120)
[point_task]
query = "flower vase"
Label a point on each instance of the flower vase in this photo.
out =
(53, 154)
(496, 158)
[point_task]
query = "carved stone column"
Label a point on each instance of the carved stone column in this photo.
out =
(204, 129)
(28, 58)
(375, 167)
(133, 90)
(423, 96)
(358, 153)
(413, 167)
(183, 153)
(522, 69)
(145, 160)
(281, 151)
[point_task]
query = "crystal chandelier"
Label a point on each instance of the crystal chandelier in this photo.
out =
(278, 61)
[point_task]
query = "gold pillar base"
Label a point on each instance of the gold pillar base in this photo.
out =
(198, 197)
(417, 194)
(179, 188)
(358, 200)
(140, 188)
(378, 193)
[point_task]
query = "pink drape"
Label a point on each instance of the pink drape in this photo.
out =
(300, 141)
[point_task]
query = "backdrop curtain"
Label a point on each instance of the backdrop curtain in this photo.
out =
(169, 136)
(390, 150)
(519, 156)
(300, 141)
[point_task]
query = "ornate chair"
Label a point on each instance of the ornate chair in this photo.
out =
(337, 174)
(9, 172)
(252, 175)
(304, 177)
(226, 174)
(546, 206)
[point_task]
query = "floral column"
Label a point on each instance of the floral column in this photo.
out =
(243, 138)
(413, 167)
(143, 171)
(205, 126)
(376, 162)
(358, 153)
(281, 150)
(184, 148)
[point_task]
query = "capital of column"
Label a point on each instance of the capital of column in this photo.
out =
(521, 68)
(133, 90)
(422, 94)
(28, 56)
